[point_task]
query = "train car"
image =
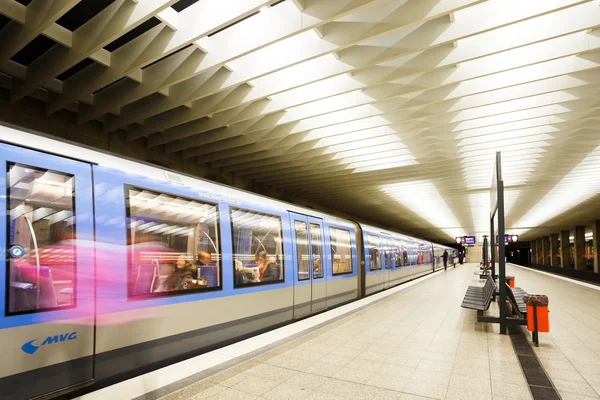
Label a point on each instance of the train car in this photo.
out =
(392, 258)
(115, 267)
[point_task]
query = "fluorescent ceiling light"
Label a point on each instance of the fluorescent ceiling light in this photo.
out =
(354, 136)
(578, 186)
(400, 154)
(352, 126)
(424, 199)
(361, 144)
(378, 167)
(504, 136)
(371, 150)
(505, 143)
(408, 160)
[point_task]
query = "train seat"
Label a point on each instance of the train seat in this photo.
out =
(145, 279)
(163, 273)
(23, 288)
(210, 273)
(278, 271)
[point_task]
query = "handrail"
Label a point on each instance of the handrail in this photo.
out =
(37, 260)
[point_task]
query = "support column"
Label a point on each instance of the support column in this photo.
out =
(565, 249)
(545, 250)
(540, 253)
(533, 252)
(579, 249)
(554, 250)
(596, 241)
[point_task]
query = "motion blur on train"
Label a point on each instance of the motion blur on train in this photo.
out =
(114, 268)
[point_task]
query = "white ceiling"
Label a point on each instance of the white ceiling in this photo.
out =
(388, 108)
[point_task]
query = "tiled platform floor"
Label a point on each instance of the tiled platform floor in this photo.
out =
(413, 345)
(570, 353)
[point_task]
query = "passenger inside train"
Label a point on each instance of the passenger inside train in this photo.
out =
(203, 258)
(184, 277)
(173, 243)
(268, 270)
(257, 247)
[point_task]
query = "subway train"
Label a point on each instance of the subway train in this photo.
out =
(115, 267)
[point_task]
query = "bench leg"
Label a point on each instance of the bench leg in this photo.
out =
(485, 318)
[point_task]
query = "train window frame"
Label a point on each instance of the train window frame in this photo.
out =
(157, 295)
(307, 277)
(387, 247)
(320, 247)
(282, 279)
(74, 296)
(378, 248)
(351, 255)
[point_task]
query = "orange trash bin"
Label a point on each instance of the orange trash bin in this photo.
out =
(537, 315)
(511, 281)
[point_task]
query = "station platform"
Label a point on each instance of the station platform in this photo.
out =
(412, 342)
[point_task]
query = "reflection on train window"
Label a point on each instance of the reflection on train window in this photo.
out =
(173, 244)
(398, 253)
(341, 251)
(388, 253)
(41, 239)
(424, 254)
(411, 254)
(374, 253)
(257, 247)
(316, 246)
(302, 250)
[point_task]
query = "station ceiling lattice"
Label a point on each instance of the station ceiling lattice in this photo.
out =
(387, 108)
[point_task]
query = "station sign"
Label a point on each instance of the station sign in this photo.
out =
(509, 239)
(465, 240)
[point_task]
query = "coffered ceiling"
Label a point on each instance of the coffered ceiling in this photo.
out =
(388, 109)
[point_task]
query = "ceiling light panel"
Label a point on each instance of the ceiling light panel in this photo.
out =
(423, 199)
(367, 150)
(408, 159)
(401, 154)
(379, 167)
(341, 128)
(579, 185)
(354, 136)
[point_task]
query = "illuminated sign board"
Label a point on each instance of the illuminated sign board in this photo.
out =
(465, 240)
(509, 239)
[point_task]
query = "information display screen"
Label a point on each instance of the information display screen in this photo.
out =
(509, 238)
(465, 240)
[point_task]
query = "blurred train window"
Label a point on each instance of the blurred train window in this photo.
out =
(257, 247)
(341, 251)
(173, 244)
(302, 250)
(316, 245)
(374, 252)
(425, 253)
(41, 239)
(388, 253)
(397, 252)
(412, 254)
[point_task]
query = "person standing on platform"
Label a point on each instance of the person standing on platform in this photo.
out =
(445, 257)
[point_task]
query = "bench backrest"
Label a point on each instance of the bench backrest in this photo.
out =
(488, 289)
(512, 299)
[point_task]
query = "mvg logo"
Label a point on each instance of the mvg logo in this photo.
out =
(31, 348)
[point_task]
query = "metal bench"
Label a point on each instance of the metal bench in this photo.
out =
(480, 297)
(515, 296)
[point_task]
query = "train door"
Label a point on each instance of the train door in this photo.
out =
(47, 274)
(310, 281)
